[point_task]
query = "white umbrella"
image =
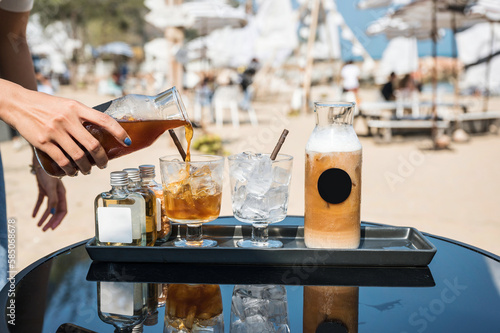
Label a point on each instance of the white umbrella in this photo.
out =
(489, 9)
(116, 48)
(423, 19)
(400, 56)
(267, 37)
(203, 15)
(416, 19)
(369, 4)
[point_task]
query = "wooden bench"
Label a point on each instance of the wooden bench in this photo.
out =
(388, 125)
(474, 122)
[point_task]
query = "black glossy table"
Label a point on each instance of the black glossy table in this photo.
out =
(458, 292)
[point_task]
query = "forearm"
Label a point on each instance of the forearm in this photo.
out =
(16, 65)
(15, 58)
(11, 94)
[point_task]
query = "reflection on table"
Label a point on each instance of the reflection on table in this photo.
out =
(67, 292)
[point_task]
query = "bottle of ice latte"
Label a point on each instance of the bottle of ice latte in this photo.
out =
(333, 179)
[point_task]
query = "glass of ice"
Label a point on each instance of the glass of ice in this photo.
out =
(259, 308)
(260, 191)
(192, 192)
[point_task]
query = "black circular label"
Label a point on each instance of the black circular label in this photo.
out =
(334, 185)
(334, 326)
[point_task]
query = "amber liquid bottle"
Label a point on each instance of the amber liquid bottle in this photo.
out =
(134, 186)
(120, 214)
(163, 226)
(144, 118)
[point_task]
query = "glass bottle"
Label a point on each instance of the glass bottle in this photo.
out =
(330, 309)
(134, 185)
(144, 118)
(148, 179)
(122, 304)
(120, 214)
(333, 179)
(152, 303)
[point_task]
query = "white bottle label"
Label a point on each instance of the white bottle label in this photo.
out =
(115, 224)
(158, 214)
(117, 298)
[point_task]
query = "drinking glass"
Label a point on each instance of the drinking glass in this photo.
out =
(194, 308)
(259, 308)
(192, 192)
(260, 191)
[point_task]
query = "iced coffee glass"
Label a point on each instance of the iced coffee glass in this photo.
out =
(194, 308)
(192, 192)
(260, 191)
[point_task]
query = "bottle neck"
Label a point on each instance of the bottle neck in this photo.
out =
(132, 186)
(149, 181)
(334, 114)
(119, 190)
(171, 97)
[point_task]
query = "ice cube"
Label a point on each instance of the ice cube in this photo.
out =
(201, 179)
(201, 172)
(237, 307)
(241, 167)
(258, 323)
(238, 198)
(261, 177)
(281, 176)
(277, 197)
(176, 172)
(254, 207)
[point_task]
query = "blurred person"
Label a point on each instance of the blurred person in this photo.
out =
(203, 98)
(407, 87)
(350, 78)
(51, 124)
(389, 88)
(43, 84)
(246, 80)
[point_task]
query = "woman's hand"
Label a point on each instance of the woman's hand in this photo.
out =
(54, 125)
(54, 190)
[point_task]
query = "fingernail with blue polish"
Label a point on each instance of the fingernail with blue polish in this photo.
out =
(52, 211)
(127, 141)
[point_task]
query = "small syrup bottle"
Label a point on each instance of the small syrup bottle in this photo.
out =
(119, 214)
(164, 228)
(134, 185)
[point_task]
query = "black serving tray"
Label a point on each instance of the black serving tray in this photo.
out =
(260, 274)
(380, 246)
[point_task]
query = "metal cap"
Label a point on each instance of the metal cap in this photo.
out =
(118, 178)
(133, 174)
(147, 171)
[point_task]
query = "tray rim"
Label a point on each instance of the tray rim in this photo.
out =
(429, 251)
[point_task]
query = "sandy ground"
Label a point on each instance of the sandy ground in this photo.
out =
(452, 193)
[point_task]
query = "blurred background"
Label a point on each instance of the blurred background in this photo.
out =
(424, 75)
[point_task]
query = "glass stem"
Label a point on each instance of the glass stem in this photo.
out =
(260, 232)
(194, 233)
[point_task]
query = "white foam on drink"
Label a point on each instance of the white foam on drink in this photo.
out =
(334, 138)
